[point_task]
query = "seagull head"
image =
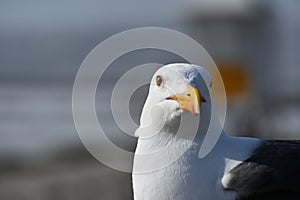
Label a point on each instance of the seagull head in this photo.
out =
(176, 88)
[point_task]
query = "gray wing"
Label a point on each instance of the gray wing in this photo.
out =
(272, 172)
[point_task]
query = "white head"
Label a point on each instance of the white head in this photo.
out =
(174, 88)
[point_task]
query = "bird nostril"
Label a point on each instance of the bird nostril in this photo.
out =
(188, 94)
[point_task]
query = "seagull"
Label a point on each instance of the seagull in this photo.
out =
(237, 168)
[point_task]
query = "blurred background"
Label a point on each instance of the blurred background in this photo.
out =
(255, 44)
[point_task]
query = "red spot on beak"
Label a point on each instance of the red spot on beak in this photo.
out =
(193, 110)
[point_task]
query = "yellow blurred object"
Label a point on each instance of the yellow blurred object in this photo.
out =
(236, 78)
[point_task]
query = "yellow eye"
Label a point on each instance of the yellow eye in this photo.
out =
(159, 80)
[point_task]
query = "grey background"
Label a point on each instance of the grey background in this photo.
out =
(42, 44)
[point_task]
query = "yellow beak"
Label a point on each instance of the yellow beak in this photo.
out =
(189, 100)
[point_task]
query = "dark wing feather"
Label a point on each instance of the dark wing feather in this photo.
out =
(272, 172)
